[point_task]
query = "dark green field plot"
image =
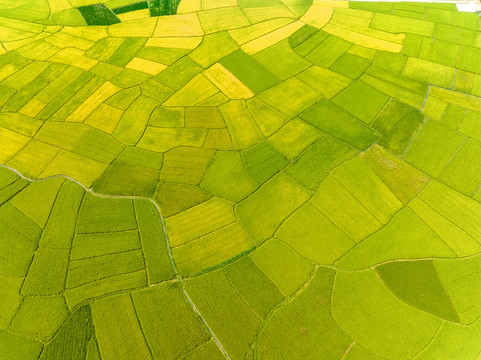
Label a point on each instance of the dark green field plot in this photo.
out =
(98, 14)
(163, 7)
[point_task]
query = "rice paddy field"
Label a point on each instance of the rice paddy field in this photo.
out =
(239, 179)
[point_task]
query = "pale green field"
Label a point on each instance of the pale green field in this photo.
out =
(239, 179)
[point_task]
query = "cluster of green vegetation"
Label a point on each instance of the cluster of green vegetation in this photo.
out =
(100, 14)
(282, 179)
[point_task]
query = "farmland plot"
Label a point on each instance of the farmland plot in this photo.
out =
(210, 179)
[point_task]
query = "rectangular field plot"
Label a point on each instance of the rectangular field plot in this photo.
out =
(315, 163)
(17, 228)
(152, 236)
(10, 292)
(457, 208)
(248, 70)
(263, 161)
(461, 173)
(259, 292)
(327, 82)
(33, 158)
(198, 244)
(104, 215)
(229, 317)
(117, 329)
(368, 189)
(87, 270)
(61, 134)
(22, 124)
(263, 211)
(164, 315)
(8, 191)
(344, 210)
(242, 127)
(13, 143)
(99, 244)
(60, 227)
(295, 269)
(106, 286)
(328, 51)
(402, 179)
(116, 179)
(227, 177)
(398, 123)
(294, 137)
(212, 249)
(429, 72)
(396, 24)
(331, 119)
(98, 146)
(46, 275)
(290, 97)
(213, 48)
(406, 236)
(191, 224)
(314, 236)
(361, 100)
(40, 317)
(291, 65)
(433, 142)
(15, 259)
(185, 165)
(397, 87)
(456, 238)
(16, 347)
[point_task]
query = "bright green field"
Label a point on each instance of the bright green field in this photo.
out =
(246, 179)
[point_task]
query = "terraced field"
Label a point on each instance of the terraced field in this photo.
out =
(239, 179)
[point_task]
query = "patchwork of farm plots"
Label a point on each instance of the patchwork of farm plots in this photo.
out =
(278, 179)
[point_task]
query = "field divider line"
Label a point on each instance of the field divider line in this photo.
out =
(347, 350)
(179, 277)
(169, 250)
